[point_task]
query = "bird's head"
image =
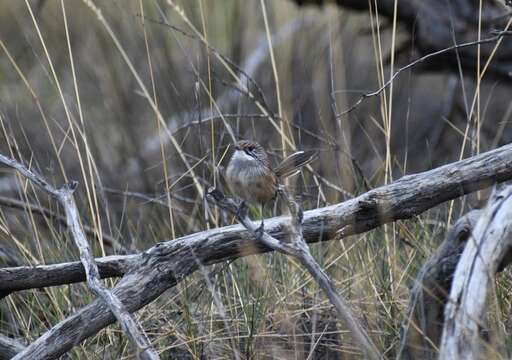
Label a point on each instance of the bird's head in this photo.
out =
(246, 148)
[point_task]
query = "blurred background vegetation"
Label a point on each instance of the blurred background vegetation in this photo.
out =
(85, 95)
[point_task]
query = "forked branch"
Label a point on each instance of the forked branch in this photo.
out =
(65, 197)
(166, 264)
(297, 247)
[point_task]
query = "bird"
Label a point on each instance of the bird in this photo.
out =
(251, 177)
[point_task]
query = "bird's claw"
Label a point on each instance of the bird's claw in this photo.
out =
(241, 211)
(260, 230)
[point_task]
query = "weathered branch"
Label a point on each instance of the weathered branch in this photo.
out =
(421, 330)
(9, 347)
(37, 277)
(65, 197)
(487, 247)
(165, 264)
(296, 247)
(403, 199)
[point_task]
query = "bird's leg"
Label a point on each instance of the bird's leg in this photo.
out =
(241, 211)
(259, 230)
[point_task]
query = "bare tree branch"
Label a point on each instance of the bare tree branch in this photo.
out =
(65, 197)
(487, 247)
(41, 276)
(165, 264)
(422, 59)
(402, 199)
(297, 247)
(9, 347)
(421, 330)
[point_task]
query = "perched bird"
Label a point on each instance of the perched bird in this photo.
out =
(251, 177)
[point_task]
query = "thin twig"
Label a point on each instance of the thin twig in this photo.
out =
(499, 35)
(259, 91)
(156, 199)
(298, 248)
(65, 197)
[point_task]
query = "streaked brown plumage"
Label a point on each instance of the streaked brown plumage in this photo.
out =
(250, 176)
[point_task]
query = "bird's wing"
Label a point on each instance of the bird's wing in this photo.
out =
(293, 162)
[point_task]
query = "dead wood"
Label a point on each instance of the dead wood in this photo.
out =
(9, 347)
(297, 247)
(165, 264)
(403, 199)
(422, 329)
(65, 196)
(474, 277)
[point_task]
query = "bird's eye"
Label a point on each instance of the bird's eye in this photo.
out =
(249, 152)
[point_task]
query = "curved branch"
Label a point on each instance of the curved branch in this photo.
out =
(422, 328)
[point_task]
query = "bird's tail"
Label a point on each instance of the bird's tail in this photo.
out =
(294, 162)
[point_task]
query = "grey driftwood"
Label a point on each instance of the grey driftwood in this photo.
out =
(403, 199)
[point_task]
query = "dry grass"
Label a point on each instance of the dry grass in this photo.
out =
(115, 100)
